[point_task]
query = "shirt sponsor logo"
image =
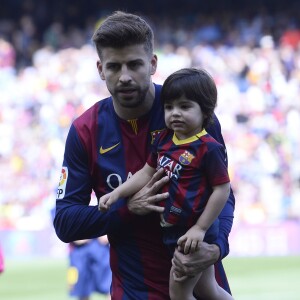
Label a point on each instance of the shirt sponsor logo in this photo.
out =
(114, 180)
(62, 183)
(170, 166)
(175, 210)
(102, 150)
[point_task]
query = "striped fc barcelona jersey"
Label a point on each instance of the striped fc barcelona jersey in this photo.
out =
(194, 166)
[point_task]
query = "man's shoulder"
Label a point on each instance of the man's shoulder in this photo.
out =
(158, 135)
(214, 129)
(210, 141)
(90, 117)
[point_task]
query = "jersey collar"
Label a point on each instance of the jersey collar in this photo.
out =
(191, 139)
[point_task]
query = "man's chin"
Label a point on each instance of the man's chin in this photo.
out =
(130, 103)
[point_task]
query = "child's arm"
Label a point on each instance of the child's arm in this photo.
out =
(188, 243)
(128, 188)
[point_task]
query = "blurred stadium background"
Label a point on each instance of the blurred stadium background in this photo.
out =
(48, 77)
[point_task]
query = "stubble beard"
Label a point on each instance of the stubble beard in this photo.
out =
(137, 102)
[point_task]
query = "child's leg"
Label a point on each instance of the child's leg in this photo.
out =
(207, 287)
(182, 290)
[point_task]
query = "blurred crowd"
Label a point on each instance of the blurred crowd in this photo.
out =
(50, 78)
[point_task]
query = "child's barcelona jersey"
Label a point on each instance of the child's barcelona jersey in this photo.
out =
(101, 152)
(194, 166)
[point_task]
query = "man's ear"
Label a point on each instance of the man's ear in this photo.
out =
(99, 67)
(153, 64)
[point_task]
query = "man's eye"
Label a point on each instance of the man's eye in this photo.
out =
(134, 64)
(112, 67)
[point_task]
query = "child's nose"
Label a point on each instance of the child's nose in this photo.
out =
(175, 111)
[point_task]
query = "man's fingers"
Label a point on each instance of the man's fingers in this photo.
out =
(157, 177)
(158, 174)
(159, 197)
(155, 208)
(178, 267)
(159, 184)
(146, 199)
(151, 203)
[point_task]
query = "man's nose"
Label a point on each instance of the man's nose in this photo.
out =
(125, 76)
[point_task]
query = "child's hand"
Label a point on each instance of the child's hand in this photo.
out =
(188, 243)
(106, 201)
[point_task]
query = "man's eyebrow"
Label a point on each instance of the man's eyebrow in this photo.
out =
(136, 60)
(128, 62)
(111, 63)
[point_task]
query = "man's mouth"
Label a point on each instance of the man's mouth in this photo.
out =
(126, 91)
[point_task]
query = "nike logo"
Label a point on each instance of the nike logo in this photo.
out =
(102, 151)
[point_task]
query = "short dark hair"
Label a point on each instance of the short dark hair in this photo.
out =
(196, 85)
(123, 29)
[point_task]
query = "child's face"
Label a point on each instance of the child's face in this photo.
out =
(184, 116)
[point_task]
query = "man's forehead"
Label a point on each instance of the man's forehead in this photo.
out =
(125, 54)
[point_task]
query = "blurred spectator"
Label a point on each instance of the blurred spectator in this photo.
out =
(2, 266)
(89, 271)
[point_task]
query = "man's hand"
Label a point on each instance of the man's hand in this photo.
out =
(144, 201)
(194, 263)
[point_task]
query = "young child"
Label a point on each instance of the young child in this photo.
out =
(196, 164)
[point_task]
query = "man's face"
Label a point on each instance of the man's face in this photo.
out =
(127, 72)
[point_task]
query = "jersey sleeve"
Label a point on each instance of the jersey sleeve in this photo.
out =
(74, 218)
(216, 165)
(227, 214)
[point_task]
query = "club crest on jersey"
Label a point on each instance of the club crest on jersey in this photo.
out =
(154, 135)
(186, 158)
(62, 183)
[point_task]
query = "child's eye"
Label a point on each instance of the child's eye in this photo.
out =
(168, 106)
(185, 106)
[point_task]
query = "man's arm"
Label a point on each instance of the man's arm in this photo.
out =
(74, 218)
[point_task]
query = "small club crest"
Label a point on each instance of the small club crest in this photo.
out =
(186, 158)
(154, 135)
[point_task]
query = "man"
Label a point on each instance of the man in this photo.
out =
(105, 146)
